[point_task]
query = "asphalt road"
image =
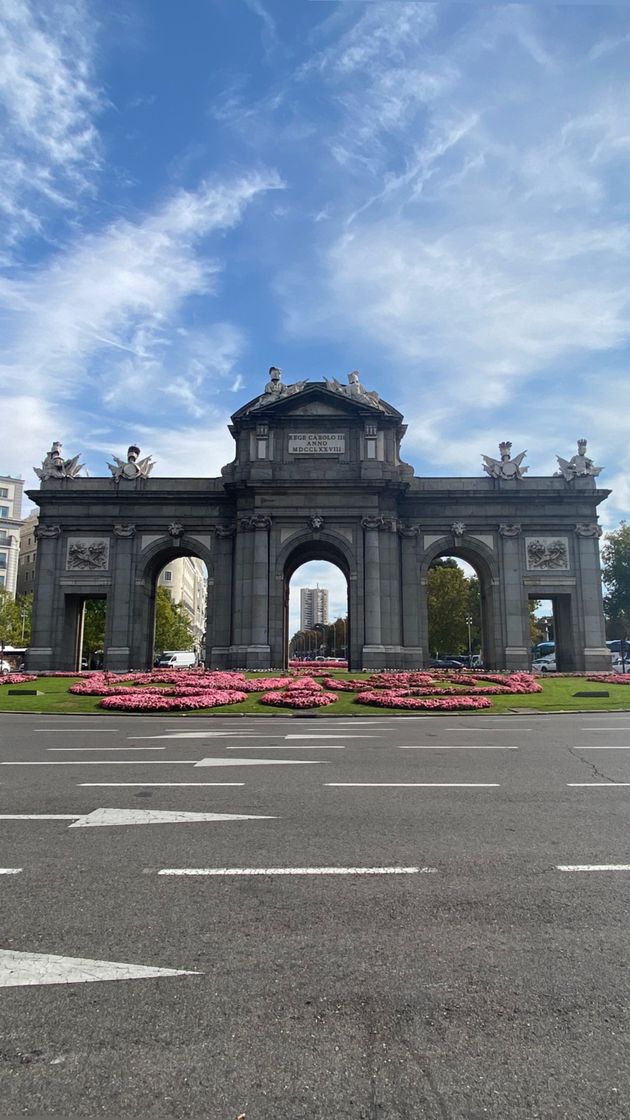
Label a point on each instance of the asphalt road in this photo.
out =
(466, 976)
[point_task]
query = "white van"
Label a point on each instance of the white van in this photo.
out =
(177, 659)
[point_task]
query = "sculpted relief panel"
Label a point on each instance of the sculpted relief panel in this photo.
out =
(87, 554)
(547, 554)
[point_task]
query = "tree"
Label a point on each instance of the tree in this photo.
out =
(10, 620)
(447, 601)
(94, 626)
(616, 576)
(172, 623)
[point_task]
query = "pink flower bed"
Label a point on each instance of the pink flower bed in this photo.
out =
(343, 686)
(298, 698)
(154, 702)
(304, 684)
(609, 678)
(266, 684)
(17, 678)
(398, 680)
(383, 698)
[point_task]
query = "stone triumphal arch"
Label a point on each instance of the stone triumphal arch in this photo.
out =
(317, 474)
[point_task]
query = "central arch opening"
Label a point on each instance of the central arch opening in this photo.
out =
(175, 608)
(461, 622)
(317, 623)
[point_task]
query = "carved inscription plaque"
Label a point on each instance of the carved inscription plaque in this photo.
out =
(317, 443)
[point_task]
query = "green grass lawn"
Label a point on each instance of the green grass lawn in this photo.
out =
(557, 695)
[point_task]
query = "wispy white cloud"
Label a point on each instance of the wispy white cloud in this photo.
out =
(48, 100)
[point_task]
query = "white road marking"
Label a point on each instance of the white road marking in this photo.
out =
(594, 867)
(109, 817)
(39, 816)
(425, 785)
(494, 727)
(455, 747)
(599, 785)
(602, 747)
(210, 735)
(126, 785)
(615, 728)
(297, 870)
(101, 749)
(67, 730)
(286, 746)
(19, 969)
(10, 870)
(334, 736)
(259, 762)
(111, 762)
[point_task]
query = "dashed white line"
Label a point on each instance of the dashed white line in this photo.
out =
(186, 871)
(284, 747)
(455, 747)
(101, 749)
(10, 870)
(421, 785)
(598, 785)
(128, 785)
(593, 867)
(335, 736)
(39, 816)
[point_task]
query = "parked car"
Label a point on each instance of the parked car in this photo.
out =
(445, 663)
(177, 659)
(5, 667)
(545, 664)
(619, 665)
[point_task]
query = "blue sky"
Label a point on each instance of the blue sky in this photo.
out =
(434, 194)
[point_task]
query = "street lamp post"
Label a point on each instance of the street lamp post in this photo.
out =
(469, 625)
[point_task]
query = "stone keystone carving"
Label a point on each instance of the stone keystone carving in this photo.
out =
(408, 530)
(175, 529)
(316, 522)
(225, 530)
(578, 466)
(505, 467)
(588, 530)
(55, 466)
(373, 522)
(256, 521)
(47, 531)
(510, 530)
(458, 528)
(124, 530)
(133, 468)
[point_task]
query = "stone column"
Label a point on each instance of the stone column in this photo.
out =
(410, 598)
(595, 655)
(219, 630)
(255, 651)
(118, 625)
(42, 653)
(373, 648)
(515, 604)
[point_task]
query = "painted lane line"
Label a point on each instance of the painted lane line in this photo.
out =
(112, 817)
(260, 762)
(285, 747)
(626, 728)
(19, 969)
(456, 747)
(599, 785)
(334, 736)
(39, 816)
(470, 728)
(10, 870)
(593, 867)
(420, 785)
(111, 762)
(128, 785)
(297, 871)
(602, 747)
(101, 749)
(210, 735)
(76, 730)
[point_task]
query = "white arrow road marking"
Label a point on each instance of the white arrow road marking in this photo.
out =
(297, 870)
(102, 817)
(19, 969)
(10, 870)
(259, 762)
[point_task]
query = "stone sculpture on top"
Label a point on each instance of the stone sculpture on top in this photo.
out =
(133, 468)
(578, 466)
(55, 466)
(505, 467)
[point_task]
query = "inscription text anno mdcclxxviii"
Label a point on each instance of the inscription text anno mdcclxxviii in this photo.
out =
(317, 443)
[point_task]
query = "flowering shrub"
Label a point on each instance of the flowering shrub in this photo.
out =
(17, 678)
(146, 701)
(343, 686)
(268, 683)
(304, 684)
(383, 698)
(398, 680)
(609, 678)
(298, 698)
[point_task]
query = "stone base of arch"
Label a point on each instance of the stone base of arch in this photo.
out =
(383, 657)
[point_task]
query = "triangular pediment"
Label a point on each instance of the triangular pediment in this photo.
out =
(314, 399)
